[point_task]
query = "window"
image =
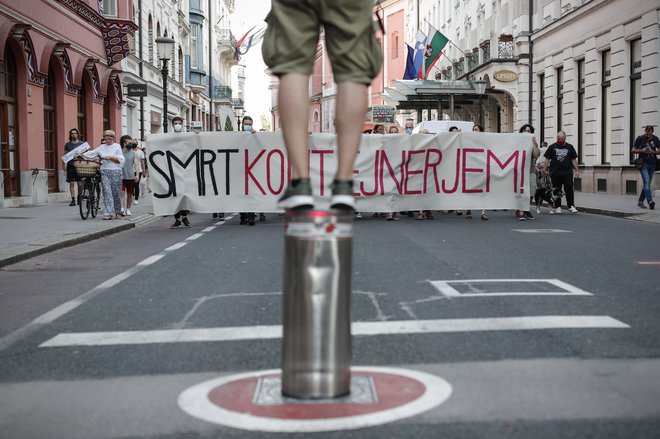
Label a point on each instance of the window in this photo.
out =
(542, 107)
(580, 127)
(606, 112)
(106, 113)
(194, 29)
(180, 59)
(395, 45)
(635, 89)
(109, 8)
(82, 110)
(50, 128)
(560, 97)
(150, 34)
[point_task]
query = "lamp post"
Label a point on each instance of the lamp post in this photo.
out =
(480, 88)
(165, 46)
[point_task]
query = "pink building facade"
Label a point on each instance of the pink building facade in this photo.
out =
(59, 69)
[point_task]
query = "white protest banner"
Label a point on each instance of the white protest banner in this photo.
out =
(243, 172)
(66, 158)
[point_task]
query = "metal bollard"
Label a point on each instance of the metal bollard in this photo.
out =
(316, 351)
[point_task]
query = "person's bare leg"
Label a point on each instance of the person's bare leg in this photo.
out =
(293, 101)
(351, 109)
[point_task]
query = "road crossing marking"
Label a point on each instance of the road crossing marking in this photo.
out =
(447, 290)
(264, 332)
(648, 262)
(542, 231)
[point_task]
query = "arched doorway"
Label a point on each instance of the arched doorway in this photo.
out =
(9, 126)
(50, 131)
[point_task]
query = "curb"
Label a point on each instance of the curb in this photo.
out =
(65, 243)
(606, 212)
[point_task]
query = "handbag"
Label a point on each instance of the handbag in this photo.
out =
(638, 162)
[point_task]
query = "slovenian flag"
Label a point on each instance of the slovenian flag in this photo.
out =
(420, 50)
(436, 42)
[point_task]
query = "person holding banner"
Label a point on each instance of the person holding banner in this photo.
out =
(527, 214)
(181, 217)
(71, 175)
(289, 50)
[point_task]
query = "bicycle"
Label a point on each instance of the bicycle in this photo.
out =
(90, 195)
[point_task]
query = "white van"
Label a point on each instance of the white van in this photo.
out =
(442, 126)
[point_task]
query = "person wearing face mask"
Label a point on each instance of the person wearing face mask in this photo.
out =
(409, 127)
(177, 124)
(561, 163)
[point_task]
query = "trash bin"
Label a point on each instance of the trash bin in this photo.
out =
(316, 348)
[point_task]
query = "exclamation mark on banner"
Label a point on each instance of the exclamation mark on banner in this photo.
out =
(522, 172)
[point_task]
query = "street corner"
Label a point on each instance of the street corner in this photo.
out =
(253, 401)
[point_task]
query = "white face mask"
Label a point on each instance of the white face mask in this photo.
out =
(177, 127)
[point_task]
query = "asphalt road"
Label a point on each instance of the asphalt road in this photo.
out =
(599, 380)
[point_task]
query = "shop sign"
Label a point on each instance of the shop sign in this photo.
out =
(505, 75)
(136, 89)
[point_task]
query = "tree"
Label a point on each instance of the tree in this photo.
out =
(228, 125)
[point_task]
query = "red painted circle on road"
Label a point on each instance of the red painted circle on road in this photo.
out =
(392, 390)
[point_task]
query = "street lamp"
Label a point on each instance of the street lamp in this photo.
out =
(480, 87)
(165, 47)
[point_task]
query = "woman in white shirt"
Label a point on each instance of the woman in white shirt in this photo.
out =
(112, 161)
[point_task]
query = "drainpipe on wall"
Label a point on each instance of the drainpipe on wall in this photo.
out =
(211, 124)
(140, 70)
(531, 63)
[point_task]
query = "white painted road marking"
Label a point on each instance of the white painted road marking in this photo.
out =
(542, 231)
(446, 289)
(357, 328)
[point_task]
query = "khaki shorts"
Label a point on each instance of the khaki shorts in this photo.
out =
(292, 36)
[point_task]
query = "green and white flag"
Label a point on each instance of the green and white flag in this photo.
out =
(435, 43)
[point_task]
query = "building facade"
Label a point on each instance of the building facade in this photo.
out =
(198, 70)
(59, 69)
(587, 67)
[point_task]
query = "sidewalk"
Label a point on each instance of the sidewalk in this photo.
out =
(29, 231)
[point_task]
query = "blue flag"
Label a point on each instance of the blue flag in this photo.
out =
(411, 71)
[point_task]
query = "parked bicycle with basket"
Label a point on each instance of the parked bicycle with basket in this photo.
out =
(88, 171)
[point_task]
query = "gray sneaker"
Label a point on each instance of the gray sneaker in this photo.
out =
(297, 196)
(342, 195)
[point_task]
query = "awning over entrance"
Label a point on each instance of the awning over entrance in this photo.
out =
(425, 95)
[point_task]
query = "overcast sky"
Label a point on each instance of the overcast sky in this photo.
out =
(248, 13)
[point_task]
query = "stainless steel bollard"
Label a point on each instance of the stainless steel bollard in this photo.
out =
(316, 351)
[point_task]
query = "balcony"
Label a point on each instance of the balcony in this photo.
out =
(222, 94)
(505, 47)
(225, 38)
(237, 103)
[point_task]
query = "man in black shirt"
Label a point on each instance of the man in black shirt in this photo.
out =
(561, 158)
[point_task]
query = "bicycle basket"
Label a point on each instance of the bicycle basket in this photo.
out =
(86, 168)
